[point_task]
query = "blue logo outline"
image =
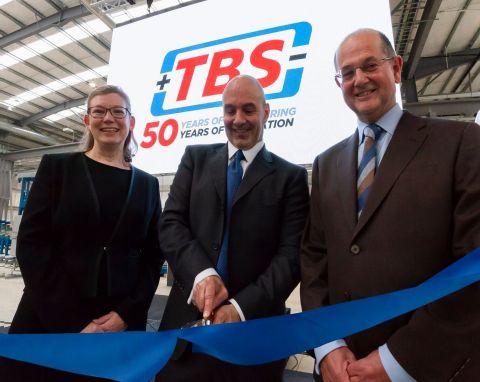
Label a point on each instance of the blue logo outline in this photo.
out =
(291, 84)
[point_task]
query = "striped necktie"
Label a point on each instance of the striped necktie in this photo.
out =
(367, 166)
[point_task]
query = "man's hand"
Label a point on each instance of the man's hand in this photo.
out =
(208, 294)
(111, 322)
(368, 369)
(334, 366)
(92, 327)
(226, 314)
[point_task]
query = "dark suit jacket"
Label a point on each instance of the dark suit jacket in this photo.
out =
(59, 248)
(268, 216)
(422, 214)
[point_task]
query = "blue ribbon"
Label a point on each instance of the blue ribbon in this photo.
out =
(138, 356)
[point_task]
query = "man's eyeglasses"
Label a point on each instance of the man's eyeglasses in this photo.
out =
(100, 112)
(347, 73)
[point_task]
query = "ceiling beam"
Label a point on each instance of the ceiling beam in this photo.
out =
(43, 24)
(467, 74)
(18, 143)
(63, 106)
(472, 42)
(26, 134)
(428, 17)
(164, 10)
(458, 21)
(432, 65)
(397, 7)
(38, 152)
(450, 96)
(102, 16)
(444, 108)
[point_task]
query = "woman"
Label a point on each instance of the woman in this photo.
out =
(87, 244)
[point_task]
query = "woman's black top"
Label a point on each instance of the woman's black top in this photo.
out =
(111, 186)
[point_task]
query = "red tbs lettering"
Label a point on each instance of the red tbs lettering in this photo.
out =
(235, 56)
(189, 64)
(151, 135)
(272, 67)
(225, 63)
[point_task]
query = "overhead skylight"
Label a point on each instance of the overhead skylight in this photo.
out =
(78, 32)
(62, 83)
(6, 60)
(51, 42)
(76, 111)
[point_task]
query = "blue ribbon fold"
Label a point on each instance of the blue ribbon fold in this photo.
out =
(138, 356)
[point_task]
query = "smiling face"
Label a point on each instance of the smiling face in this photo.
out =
(109, 131)
(369, 95)
(244, 112)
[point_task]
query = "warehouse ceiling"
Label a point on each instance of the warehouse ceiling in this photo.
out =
(53, 52)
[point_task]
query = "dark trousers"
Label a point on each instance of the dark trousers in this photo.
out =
(204, 368)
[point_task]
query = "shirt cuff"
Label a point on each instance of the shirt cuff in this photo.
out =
(323, 350)
(238, 309)
(394, 370)
(202, 275)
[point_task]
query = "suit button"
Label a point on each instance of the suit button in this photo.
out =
(355, 249)
(215, 247)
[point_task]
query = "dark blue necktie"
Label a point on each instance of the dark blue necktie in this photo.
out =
(234, 177)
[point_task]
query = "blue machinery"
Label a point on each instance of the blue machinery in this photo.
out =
(26, 184)
(5, 237)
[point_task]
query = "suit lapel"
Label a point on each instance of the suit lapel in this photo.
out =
(258, 169)
(347, 175)
(218, 163)
(91, 187)
(406, 141)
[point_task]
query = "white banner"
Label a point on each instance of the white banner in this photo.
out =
(174, 67)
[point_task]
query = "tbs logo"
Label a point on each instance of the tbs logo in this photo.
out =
(193, 78)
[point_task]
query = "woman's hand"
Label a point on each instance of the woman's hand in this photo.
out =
(111, 322)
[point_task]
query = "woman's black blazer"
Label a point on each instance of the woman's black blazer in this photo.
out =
(59, 247)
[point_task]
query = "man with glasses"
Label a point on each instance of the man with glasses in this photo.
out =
(392, 205)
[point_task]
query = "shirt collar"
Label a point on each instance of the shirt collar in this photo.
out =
(387, 122)
(249, 154)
